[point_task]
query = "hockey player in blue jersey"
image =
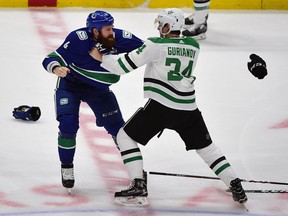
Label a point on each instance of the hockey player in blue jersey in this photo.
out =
(81, 78)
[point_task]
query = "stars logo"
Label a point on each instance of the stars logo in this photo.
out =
(170, 12)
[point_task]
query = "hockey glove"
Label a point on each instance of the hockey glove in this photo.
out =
(27, 113)
(257, 66)
(103, 49)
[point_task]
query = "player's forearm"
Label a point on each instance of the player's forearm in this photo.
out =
(113, 63)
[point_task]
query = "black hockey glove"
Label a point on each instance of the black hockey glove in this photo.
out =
(103, 49)
(257, 66)
(27, 113)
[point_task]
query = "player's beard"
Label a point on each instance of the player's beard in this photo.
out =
(107, 41)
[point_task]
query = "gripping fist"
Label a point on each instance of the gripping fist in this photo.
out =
(60, 71)
(103, 49)
(27, 113)
(257, 66)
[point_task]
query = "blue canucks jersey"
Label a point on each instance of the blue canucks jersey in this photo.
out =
(74, 54)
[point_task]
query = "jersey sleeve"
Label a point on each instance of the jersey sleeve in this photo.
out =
(126, 41)
(122, 64)
(71, 50)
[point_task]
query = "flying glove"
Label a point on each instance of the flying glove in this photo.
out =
(27, 113)
(257, 66)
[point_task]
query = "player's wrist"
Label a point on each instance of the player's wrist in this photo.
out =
(54, 67)
(51, 66)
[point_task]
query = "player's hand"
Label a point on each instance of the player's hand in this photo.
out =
(96, 54)
(103, 49)
(61, 71)
(257, 66)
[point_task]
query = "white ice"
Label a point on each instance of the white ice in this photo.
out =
(247, 118)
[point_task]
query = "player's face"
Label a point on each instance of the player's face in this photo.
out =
(164, 30)
(162, 27)
(106, 36)
(107, 31)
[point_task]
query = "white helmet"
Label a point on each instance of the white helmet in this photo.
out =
(173, 16)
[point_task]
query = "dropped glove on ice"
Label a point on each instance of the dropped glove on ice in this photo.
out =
(257, 66)
(27, 113)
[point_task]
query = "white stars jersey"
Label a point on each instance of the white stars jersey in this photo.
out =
(168, 75)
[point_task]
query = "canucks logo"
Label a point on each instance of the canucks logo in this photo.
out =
(126, 34)
(64, 101)
(82, 35)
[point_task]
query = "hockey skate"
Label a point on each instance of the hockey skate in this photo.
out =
(189, 21)
(67, 173)
(198, 32)
(135, 195)
(238, 192)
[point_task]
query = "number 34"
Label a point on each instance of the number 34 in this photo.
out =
(176, 74)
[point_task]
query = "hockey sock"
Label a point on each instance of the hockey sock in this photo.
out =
(218, 163)
(66, 147)
(201, 11)
(131, 155)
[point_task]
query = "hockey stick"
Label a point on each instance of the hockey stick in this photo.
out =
(215, 178)
(263, 191)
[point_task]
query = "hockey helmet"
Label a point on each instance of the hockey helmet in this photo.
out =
(98, 19)
(172, 16)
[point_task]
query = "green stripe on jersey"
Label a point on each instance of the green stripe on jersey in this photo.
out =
(120, 62)
(60, 59)
(102, 76)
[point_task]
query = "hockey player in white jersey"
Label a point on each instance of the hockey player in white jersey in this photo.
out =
(169, 86)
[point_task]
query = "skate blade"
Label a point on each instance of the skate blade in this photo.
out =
(244, 206)
(69, 190)
(131, 201)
